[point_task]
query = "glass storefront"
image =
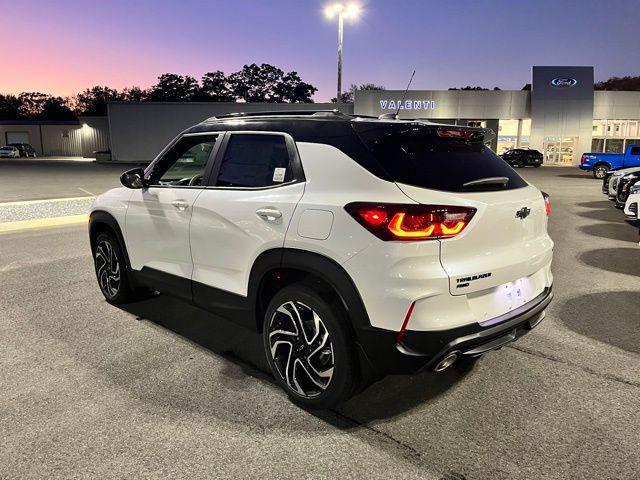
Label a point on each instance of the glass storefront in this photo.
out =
(559, 150)
(613, 136)
(513, 134)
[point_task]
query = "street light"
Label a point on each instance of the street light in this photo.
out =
(342, 11)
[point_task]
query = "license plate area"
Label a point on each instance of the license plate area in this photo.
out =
(494, 302)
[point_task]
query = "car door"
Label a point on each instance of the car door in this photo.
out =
(245, 211)
(158, 216)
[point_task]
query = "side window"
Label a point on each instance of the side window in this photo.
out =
(184, 163)
(635, 151)
(255, 160)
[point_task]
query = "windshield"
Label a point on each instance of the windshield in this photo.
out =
(420, 156)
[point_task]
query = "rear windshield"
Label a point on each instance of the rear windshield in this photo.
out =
(417, 155)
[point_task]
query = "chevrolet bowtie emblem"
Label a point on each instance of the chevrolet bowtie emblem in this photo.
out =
(523, 213)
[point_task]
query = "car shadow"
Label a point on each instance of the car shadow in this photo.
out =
(577, 175)
(611, 214)
(600, 204)
(610, 317)
(616, 231)
(391, 396)
(619, 260)
(396, 395)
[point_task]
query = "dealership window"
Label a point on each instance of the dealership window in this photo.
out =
(614, 145)
(631, 141)
(513, 133)
(597, 145)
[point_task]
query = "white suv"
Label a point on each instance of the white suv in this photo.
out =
(357, 246)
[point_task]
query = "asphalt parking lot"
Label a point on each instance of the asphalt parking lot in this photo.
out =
(161, 389)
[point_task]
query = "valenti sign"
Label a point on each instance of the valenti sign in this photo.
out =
(394, 105)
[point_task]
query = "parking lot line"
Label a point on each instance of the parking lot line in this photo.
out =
(38, 223)
(47, 200)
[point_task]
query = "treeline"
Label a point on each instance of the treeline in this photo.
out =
(253, 83)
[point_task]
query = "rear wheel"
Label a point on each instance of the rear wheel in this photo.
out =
(111, 270)
(537, 165)
(600, 171)
(309, 348)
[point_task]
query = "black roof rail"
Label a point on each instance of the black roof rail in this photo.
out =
(284, 113)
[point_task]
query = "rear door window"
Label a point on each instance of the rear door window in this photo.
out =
(419, 156)
(255, 160)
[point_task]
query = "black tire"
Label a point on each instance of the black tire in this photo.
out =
(111, 271)
(600, 170)
(290, 310)
(537, 165)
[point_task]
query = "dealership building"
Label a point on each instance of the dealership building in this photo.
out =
(561, 116)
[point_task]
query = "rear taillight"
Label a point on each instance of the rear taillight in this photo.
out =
(583, 159)
(392, 221)
(456, 133)
(547, 203)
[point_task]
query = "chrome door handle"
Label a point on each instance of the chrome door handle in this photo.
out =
(181, 205)
(269, 214)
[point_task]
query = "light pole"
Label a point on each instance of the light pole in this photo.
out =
(342, 11)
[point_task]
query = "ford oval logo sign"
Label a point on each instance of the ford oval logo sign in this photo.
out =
(564, 82)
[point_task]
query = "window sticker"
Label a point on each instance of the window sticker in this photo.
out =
(278, 174)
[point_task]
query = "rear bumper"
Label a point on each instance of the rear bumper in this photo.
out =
(585, 167)
(424, 349)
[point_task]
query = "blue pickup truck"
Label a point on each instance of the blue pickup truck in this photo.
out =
(601, 163)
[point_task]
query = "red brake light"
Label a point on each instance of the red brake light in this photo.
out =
(374, 216)
(583, 159)
(455, 133)
(547, 203)
(411, 222)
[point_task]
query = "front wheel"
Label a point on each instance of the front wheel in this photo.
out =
(111, 270)
(309, 348)
(600, 171)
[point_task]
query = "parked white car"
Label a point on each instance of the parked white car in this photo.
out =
(9, 152)
(615, 177)
(632, 206)
(350, 244)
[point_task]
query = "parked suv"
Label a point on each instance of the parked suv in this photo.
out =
(356, 246)
(522, 157)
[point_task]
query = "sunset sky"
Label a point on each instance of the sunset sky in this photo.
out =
(62, 47)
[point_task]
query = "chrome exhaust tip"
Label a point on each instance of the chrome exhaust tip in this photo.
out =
(447, 361)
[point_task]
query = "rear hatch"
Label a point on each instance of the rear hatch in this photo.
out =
(506, 241)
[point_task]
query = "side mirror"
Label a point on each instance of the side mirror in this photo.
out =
(133, 178)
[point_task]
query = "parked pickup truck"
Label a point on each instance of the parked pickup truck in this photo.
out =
(601, 163)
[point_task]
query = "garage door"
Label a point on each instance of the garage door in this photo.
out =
(18, 137)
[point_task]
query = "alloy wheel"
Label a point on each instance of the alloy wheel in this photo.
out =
(107, 268)
(600, 172)
(301, 349)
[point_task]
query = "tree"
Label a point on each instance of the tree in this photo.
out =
(349, 95)
(57, 108)
(9, 107)
(292, 89)
(214, 87)
(266, 83)
(31, 104)
(628, 83)
(174, 88)
(134, 94)
(93, 101)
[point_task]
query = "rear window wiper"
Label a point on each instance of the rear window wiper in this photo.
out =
(486, 183)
